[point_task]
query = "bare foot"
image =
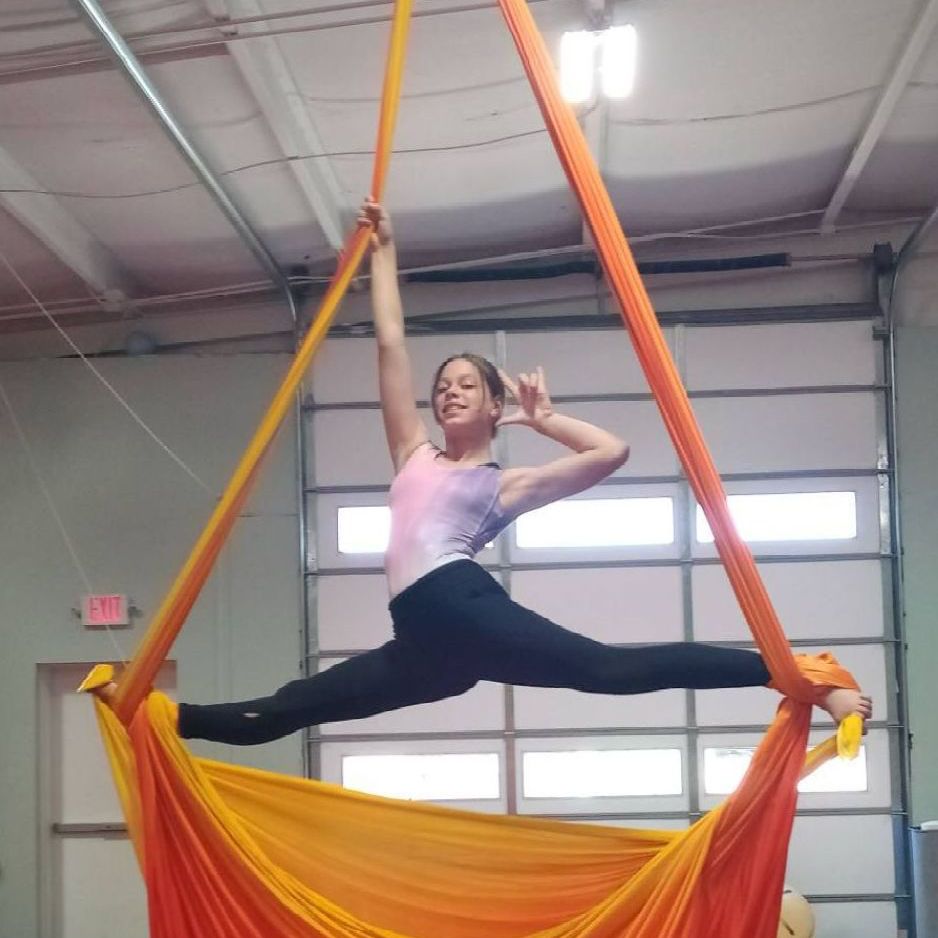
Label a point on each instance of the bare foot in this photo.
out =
(842, 701)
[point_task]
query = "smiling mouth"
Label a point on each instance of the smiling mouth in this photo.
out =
(451, 408)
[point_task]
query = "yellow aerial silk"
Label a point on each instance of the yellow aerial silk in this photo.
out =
(231, 852)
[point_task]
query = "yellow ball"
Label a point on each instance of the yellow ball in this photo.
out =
(797, 919)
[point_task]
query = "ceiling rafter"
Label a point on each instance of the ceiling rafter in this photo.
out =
(52, 224)
(267, 73)
(889, 96)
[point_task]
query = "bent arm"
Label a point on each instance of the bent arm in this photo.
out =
(598, 454)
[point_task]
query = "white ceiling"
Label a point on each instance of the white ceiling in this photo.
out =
(742, 110)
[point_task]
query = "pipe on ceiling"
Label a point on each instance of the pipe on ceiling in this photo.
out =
(127, 62)
(915, 239)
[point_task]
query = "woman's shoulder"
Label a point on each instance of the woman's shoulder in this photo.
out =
(423, 451)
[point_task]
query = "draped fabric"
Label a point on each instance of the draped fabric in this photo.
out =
(228, 851)
(171, 614)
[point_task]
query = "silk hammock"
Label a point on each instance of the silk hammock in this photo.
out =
(233, 852)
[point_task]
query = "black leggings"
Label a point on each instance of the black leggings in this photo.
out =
(452, 628)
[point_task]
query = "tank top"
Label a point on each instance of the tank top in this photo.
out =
(439, 514)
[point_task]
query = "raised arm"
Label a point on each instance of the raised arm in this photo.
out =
(404, 428)
(598, 453)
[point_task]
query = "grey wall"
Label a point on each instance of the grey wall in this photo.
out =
(133, 515)
(917, 383)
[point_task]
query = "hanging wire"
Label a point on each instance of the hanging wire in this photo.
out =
(53, 510)
(114, 392)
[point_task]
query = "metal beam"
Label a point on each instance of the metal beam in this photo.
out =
(270, 78)
(914, 240)
(198, 48)
(882, 112)
(49, 221)
(128, 64)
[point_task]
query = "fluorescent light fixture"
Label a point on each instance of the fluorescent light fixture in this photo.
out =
(577, 54)
(789, 516)
(618, 52)
(618, 47)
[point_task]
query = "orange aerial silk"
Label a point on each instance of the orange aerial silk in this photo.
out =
(172, 612)
(231, 852)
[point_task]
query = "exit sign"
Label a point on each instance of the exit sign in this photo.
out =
(102, 610)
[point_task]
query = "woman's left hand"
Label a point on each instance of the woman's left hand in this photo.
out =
(530, 394)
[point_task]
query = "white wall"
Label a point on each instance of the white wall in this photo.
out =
(917, 388)
(133, 514)
(918, 490)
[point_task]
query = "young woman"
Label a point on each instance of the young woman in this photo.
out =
(454, 625)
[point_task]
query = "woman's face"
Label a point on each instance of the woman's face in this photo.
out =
(461, 400)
